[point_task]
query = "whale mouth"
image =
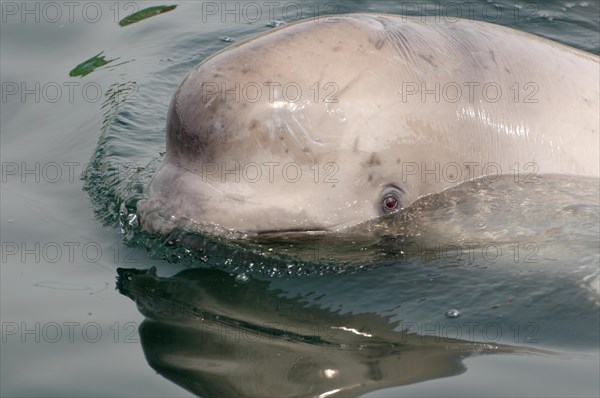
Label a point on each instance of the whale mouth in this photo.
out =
(294, 233)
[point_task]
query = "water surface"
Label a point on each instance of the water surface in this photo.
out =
(528, 322)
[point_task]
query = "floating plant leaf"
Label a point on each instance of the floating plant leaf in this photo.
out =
(145, 13)
(88, 66)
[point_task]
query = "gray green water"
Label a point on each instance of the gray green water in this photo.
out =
(528, 323)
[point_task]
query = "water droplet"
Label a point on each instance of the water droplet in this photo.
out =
(242, 278)
(452, 313)
(132, 219)
(330, 373)
(274, 24)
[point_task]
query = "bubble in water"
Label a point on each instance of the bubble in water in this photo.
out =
(242, 278)
(452, 313)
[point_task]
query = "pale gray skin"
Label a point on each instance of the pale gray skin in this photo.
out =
(376, 132)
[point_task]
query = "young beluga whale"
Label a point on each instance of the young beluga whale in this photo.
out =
(323, 124)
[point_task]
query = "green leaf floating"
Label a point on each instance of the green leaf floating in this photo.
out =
(145, 13)
(88, 66)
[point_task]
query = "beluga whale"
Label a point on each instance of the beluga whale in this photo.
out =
(320, 125)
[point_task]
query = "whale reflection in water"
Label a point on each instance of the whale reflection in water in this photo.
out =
(215, 335)
(345, 334)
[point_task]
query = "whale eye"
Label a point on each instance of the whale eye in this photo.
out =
(391, 200)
